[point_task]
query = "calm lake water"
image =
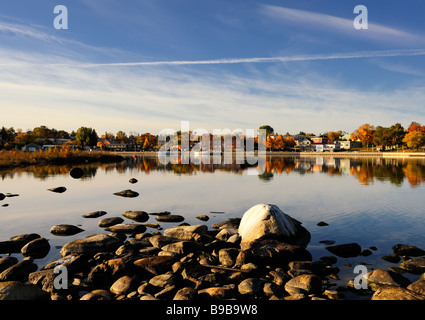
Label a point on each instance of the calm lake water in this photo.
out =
(371, 201)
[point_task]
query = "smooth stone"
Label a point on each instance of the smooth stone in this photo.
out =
(58, 189)
(394, 258)
(127, 228)
(127, 193)
(231, 223)
(250, 286)
(156, 264)
(133, 180)
(185, 293)
(218, 293)
(19, 271)
(377, 278)
(265, 221)
(170, 218)
(396, 293)
(76, 173)
(36, 249)
(15, 290)
(417, 286)
(15, 244)
(345, 250)
(322, 224)
(139, 216)
(203, 218)
(92, 245)
(163, 280)
(225, 234)
(193, 233)
(65, 230)
(2, 196)
(98, 294)
(159, 240)
(94, 214)
(408, 250)
(414, 265)
(182, 247)
(107, 222)
(7, 262)
(227, 256)
(304, 284)
(124, 285)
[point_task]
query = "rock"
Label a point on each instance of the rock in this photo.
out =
(127, 193)
(271, 289)
(15, 244)
(417, 286)
(333, 294)
(232, 223)
(394, 258)
(186, 293)
(304, 284)
(159, 241)
(396, 293)
(43, 279)
(265, 221)
(133, 180)
(225, 234)
(156, 264)
(160, 213)
(163, 280)
(65, 230)
(414, 265)
(203, 217)
(2, 196)
(272, 251)
(19, 271)
(182, 247)
(92, 245)
(191, 233)
(407, 250)
(15, 290)
(124, 285)
(7, 262)
(76, 173)
(378, 278)
(127, 228)
(345, 250)
(139, 216)
(227, 256)
(250, 286)
(107, 222)
(94, 214)
(73, 263)
(218, 293)
(36, 249)
(170, 218)
(58, 189)
(98, 294)
(322, 224)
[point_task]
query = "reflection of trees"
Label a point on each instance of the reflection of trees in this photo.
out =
(365, 170)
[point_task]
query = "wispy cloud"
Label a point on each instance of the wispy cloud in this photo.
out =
(321, 21)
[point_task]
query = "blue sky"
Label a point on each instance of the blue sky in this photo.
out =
(145, 65)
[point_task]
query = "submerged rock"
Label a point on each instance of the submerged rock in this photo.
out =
(94, 214)
(76, 173)
(345, 250)
(265, 221)
(414, 265)
(133, 180)
(58, 189)
(127, 193)
(127, 228)
(408, 250)
(170, 218)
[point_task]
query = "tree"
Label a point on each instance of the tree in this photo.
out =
(270, 143)
(86, 137)
(269, 130)
(365, 134)
(396, 134)
(381, 137)
(416, 127)
(289, 142)
(121, 137)
(146, 145)
(414, 140)
(334, 135)
(279, 143)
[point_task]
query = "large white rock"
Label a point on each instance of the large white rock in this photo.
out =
(267, 221)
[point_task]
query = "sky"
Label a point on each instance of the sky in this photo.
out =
(146, 65)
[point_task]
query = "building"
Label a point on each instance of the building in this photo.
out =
(31, 147)
(330, 147)
(348, 145)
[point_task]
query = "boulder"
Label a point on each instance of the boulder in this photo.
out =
(304, 284)
(19, 271)
(98, 294)
(65, 230)
(378, 278)
(265, 221)
(7, 262)
(250, 286)
(396, 293)
(92, 245)
(170, 218)
(156, 264)
(124, 285)
(15, 244)
(218, 293)
(414, 265)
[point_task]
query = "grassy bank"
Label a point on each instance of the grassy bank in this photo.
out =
(13, 159)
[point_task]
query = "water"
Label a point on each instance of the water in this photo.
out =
(371, 201)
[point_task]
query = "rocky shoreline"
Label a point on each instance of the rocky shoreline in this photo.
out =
(193, 262)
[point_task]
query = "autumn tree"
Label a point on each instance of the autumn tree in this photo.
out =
(334, 135)
(289, 142)
(279, 143)
(365, 134)
(270, 143)
(86, 137)
(414, 140)
(396, 134)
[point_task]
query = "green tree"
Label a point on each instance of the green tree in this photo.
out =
(86, 137)
(381, 136)
(269, 129)
(396, 134)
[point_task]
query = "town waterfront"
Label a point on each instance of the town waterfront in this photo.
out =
(374, 202)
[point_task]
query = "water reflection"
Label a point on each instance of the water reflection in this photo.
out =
(365, 170)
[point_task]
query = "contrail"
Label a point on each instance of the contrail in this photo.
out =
(355, 55)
